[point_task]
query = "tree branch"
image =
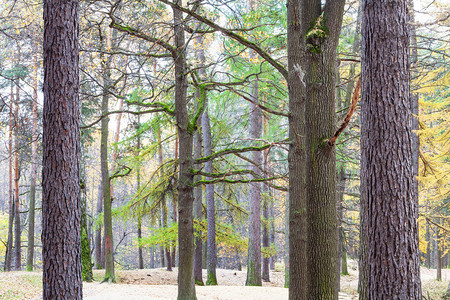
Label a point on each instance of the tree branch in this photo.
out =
(350, 112)
(232, 35)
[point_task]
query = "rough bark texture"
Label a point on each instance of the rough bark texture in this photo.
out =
(61, 237)
(32, 203)
(186, 287)
(312, 40)
(297, 275)
(389, 210)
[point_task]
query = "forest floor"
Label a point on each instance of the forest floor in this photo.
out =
(161, 284)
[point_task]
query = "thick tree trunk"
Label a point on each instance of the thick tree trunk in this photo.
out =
(32, 205)
(312, 40)
(296, 262)
(186, 286)
(388, 202)
(61, 236)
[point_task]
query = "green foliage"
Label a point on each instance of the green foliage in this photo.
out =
(165, 236)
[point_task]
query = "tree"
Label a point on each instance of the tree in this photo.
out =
(390, 257)
(313, 35)
(31, 215)
(61, 237)
(254, 227)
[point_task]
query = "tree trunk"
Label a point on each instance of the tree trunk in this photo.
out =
(210, 205)
(296, 262)
(32, 205)
(98, 232)
(198, 214)
(342, 247)
(428, 241)
(17, 231)
(265, 240)
(439, 245)
(61, 236)
(86, 261)
(266, 207)
(9, 246)
(186, 287)
(254, 227)
(388, 202)
(138, 181)
(287, 271)
(106, 183)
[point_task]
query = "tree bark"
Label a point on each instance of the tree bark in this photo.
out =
(210, 205)
(98, 232)
(106, 183)
(388, 203)
(186, 287)
(254, 227)
(17, 229)
(9, 246)
(198, 214)
(61, 237)
(32, 205)
(138, 182)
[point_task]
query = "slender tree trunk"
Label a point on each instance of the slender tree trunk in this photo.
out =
(186, 286)
(98, 232)
(388, 203)
(342, 247)
(198, 214)
(31, 208)
(287, 243)
(9, 246)
(210, 205)
(266, 207)
(254, 227)
(428, 240)
(265, 240)
(106, 184)
(438, 254)
(272, 233)
(17, 231)
(86, 260)
(138, 181)
(61, 212)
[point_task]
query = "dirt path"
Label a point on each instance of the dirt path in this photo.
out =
(161, 284)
